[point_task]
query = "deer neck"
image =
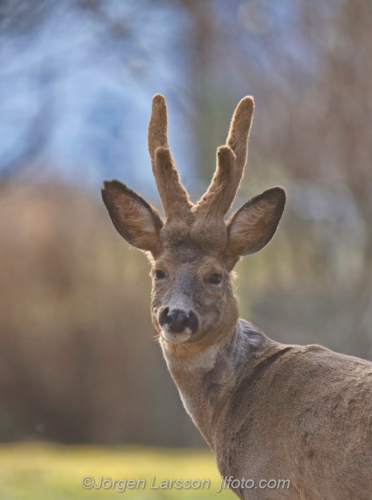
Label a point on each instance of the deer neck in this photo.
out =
(206, 380)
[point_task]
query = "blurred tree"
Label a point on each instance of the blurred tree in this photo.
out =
(77, 358)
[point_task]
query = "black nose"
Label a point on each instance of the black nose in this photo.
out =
(178, 320)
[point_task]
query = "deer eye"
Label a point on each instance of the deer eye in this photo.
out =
(215, 278)
(159, 274)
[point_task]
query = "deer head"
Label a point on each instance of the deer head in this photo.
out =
(194, 250)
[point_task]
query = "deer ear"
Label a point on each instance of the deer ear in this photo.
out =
(135, 219)
(252, 226)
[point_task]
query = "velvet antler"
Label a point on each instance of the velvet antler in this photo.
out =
(231, 160)
(173, 195)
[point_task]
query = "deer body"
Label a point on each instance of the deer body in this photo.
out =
(268, 410)
(271, 411)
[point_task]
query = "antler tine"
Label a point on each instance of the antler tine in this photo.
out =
(231, 160)
(157, 135)
(173, 195)
(221, 192)
(239, 132)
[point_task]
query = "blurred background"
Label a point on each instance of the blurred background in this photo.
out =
(78, 359)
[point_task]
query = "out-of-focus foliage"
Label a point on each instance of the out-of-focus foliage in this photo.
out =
(31, 472)
(78, 362)
(78, 358)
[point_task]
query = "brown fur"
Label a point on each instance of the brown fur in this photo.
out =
(268, 411)
(221, 193)
(170, 188)
(239, 132)
(231, 160)
(135, 219)
(174, 196)
(247, 227)
(157, 135)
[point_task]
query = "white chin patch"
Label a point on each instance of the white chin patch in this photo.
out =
(175, 338)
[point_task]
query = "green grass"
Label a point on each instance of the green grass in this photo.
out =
(55, 472)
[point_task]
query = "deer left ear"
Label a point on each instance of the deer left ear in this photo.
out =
(252, 226)
(135, 219)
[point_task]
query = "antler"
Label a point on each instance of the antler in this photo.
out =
(173, 195)
(231, 160)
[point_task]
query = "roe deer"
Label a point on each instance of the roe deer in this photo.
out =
(267, 410)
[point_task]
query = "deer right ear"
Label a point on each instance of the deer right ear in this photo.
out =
(252, 226)
(135, 219)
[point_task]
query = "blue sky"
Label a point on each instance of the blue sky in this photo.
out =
(96, 83)
(99, 92)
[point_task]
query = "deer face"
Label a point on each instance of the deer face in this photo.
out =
(191, 294)
(195, 249)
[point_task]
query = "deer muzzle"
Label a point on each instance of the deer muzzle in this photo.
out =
(176, 321)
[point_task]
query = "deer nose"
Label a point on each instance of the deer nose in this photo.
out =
(178, 320)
